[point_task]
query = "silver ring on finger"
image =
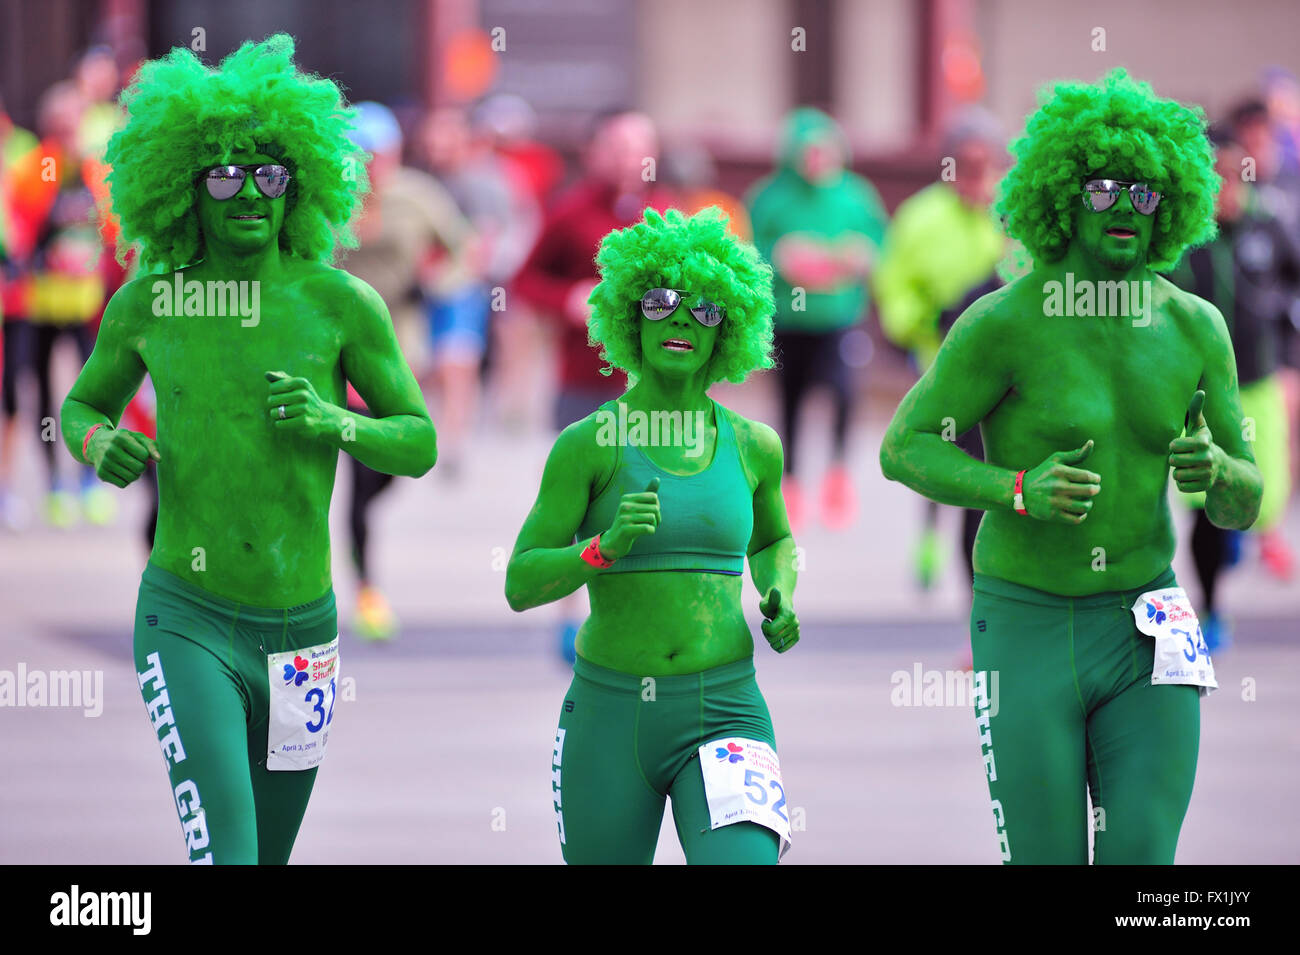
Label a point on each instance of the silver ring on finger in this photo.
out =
(281, 412)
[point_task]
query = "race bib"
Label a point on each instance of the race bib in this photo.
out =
(1181, 654)
(303, 684)
(742, 783)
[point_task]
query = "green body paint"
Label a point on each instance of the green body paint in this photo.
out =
(1084, 374)
(663, 623)
(1091, 403)
(244, 494)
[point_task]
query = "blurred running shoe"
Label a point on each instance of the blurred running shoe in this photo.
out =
(60, 508)
(374, 619)
(1276, 556)
(839, 503)
(1217, 633)
(793, 495)
(569, 641)
(928, 558)
(98, 505)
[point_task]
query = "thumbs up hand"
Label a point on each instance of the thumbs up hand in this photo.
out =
(781, 626)
(637, 515)
(1192, 456)
(1058, 491)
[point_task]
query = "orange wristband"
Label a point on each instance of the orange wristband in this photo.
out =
(86, 441)
(1018, 501)
(592, 555)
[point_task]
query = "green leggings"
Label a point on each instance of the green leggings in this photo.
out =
(201, 662)
(1064, 705)
(626, 742)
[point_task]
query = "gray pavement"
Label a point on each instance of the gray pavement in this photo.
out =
(444, 754)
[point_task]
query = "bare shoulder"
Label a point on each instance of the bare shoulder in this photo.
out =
(1001, 309)
(760, 445)
(1184, 306)
(327, 279)
(340, 293)
(131, 308)
(1194, 319)
(993, 322)
(586, 448)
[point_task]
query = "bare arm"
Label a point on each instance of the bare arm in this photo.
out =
(109, 378)
(400, 438)
(1215, 455)
(545, 564)
(771, 545)
(964, 383)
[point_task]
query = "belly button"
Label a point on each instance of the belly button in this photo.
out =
(247, 545)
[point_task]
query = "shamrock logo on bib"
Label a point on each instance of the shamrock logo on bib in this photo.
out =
(1155, 611)
(295, 672)
(731, 753)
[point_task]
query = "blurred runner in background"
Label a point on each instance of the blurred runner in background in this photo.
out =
(690, 170)
(63, 280)
(1248, 272)
(15, 142)
(940, 255)
(820, 226)
(405, 219)
(505, 218)
(1278, 191)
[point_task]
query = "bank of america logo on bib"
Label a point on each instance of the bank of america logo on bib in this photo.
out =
(295, 672)
(731, 753)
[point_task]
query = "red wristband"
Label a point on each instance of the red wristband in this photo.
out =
(591, 554)
(1018, 502)
(86, 441)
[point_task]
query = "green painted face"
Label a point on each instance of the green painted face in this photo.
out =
(1118, 237)
(676, 361)
(248, 221)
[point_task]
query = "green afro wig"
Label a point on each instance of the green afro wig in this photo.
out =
(1117, 126)
(183, 118)
(697, 253)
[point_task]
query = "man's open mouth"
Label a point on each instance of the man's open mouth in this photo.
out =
(678, 344)
(1120, 232)
(248, 217)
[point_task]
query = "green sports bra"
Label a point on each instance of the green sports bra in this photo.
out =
(708, 517)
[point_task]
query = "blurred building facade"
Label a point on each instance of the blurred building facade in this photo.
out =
(719, 72)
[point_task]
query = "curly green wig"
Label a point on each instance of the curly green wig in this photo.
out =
(697, 253)
(1118, 125)
(183, 118)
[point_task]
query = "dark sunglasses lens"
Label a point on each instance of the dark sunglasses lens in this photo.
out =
(708, 313)
(272, 180)
(224, 181)
(659, 303)
(1099, 195)
(1144, 199)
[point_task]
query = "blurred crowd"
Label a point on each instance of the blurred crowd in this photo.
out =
(481, 238)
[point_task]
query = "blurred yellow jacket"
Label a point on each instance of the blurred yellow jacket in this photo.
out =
(937, 248)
